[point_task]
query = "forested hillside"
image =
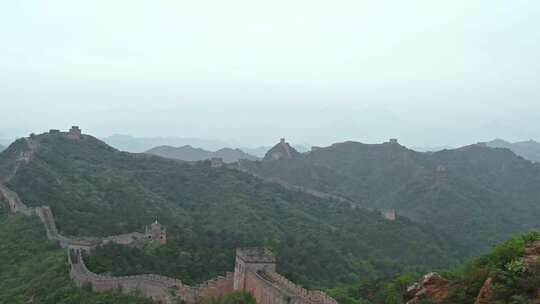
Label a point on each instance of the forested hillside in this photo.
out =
(508, 273)
(34, 269)
(94, 189)
(478, 194)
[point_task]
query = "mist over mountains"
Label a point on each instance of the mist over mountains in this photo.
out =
(142, 144)
(529, 149)
(188, 153)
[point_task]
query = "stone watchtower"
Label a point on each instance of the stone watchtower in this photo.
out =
(74, 133)
(156, 233)
(252, 259)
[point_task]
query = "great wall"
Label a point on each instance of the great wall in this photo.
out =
(254, 271)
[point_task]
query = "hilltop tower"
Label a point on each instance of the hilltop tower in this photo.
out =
(74, 133)
(282, 150)
(252, 259)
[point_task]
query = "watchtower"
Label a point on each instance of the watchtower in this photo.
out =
(156, 233)
(389, 214)
(252, 259)
(74, 133)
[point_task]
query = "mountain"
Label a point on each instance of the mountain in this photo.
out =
(432, 149)
(188, 153)
(478, 194)
(96, 190)
(281, 151)
(261, 151)
(527, 149)
(141, 144)
(2, 148)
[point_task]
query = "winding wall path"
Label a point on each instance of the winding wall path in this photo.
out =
(267, 286)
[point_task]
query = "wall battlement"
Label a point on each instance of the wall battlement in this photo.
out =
(309, 296)
(255, 255)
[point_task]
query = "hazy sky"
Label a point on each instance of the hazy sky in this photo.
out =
(428, 72)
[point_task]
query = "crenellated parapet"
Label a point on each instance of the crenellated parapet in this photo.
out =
(308, 296)
(215, 288)
(159, 288)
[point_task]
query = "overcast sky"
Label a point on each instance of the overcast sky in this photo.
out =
(428, 72)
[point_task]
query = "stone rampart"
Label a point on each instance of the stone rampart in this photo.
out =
(158, 288)
(215, 288)
(308, 296)
(13, 201)
(264, 291)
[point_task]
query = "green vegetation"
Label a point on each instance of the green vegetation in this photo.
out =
(381, 291)
(513, 280)
(94, 189)
(479, 195)
(34, 269)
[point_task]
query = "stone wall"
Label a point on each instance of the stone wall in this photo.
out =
(215, 288)
(160, 289)
(303, 295)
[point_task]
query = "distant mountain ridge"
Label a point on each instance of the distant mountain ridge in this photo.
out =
(479, 194)
(261, 151)
(2, 148)
(141, 144)
(189, 153)
(529, 149)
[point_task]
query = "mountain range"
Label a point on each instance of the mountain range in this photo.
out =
(141, 144)
(527, 149)
(96, 190)
(188, 153)
(480, 195)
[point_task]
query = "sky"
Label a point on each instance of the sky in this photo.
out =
(430, 73)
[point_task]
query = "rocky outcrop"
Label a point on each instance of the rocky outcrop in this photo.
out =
(432, 286)
(484, 296)
(532, 255)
